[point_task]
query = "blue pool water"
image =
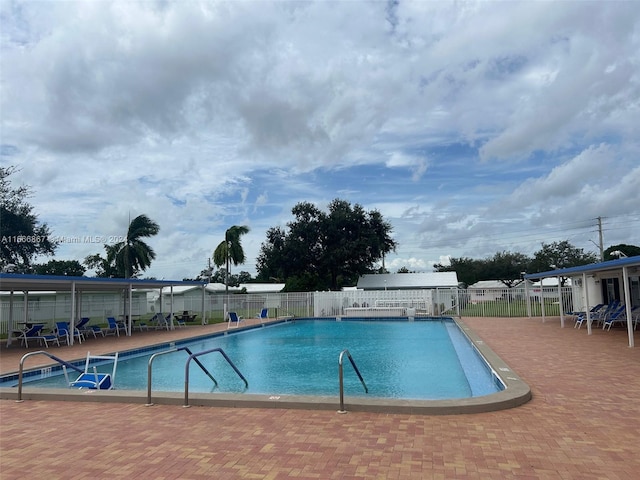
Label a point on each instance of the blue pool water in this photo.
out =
(397, 359)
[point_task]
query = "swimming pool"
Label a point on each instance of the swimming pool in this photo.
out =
(401, 361)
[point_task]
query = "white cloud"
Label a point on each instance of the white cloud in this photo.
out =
(207, 114)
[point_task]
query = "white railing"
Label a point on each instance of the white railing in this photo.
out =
(434, 302)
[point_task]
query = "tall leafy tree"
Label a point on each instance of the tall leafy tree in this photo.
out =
(101, 265)
(468, 270)
(22, 236)
(623, 249)
(325, 250)
(558, 255)
(133, 255)
(508, 267)
(230, 250)
(71, 268)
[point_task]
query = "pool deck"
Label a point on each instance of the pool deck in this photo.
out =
(583, 422)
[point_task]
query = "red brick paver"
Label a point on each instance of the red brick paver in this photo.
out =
(582, 423)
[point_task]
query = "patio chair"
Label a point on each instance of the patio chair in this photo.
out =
(82, 323)
(62, 331)
(163, 322)
(142, 324)
(114, 327)
(93, 379)
(603, 313)
(158, 321)
(94, 330)
(635, 316)
(181, 320)
(618, 316)
(582, 316)
(233, 318)
(35, 333)
(264, 313)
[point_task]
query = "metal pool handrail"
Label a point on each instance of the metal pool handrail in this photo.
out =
(152, 358)
(194, 357)
(52, 357)
(340, 376)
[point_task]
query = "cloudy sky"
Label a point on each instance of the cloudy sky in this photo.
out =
(473, 127)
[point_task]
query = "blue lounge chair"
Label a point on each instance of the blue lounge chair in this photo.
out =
(160, 321)
(264, 313)
(82, 323)
(181, 320)
(89, 329)
(94, 330)
(618, 316)
(141, 325)
(233, 319)
(92, 378)
(63, 331)
(582, 316)
(163, 322)
(114, 327)
(35, 333)
(32, 332)
(603, 313)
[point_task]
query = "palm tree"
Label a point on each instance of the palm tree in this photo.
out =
(230, 250)
(133, 255)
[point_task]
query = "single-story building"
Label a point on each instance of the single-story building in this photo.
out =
(486, 291)
(604, 282)
(408, 281)
(189, 297)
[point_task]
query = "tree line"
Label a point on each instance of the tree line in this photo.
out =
(318, 250)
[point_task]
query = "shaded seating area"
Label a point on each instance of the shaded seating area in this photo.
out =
(92, 378)
(78, 297)
(597, 314)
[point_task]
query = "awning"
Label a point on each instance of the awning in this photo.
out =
(626, 266)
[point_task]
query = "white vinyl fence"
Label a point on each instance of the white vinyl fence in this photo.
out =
(351, 303)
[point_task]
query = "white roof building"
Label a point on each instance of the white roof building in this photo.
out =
(407, 281)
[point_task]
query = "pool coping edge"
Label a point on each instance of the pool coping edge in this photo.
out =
(515, 393)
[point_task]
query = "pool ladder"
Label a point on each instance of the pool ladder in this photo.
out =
(52, 357)
(341, 377)
(194, 357)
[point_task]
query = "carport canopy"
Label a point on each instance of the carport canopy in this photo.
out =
(625, 266)
(14, 282)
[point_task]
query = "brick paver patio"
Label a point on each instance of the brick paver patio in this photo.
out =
(582, 423)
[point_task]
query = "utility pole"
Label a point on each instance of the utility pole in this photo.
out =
(601, 239)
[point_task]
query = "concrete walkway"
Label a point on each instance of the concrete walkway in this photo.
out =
(582, 423)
